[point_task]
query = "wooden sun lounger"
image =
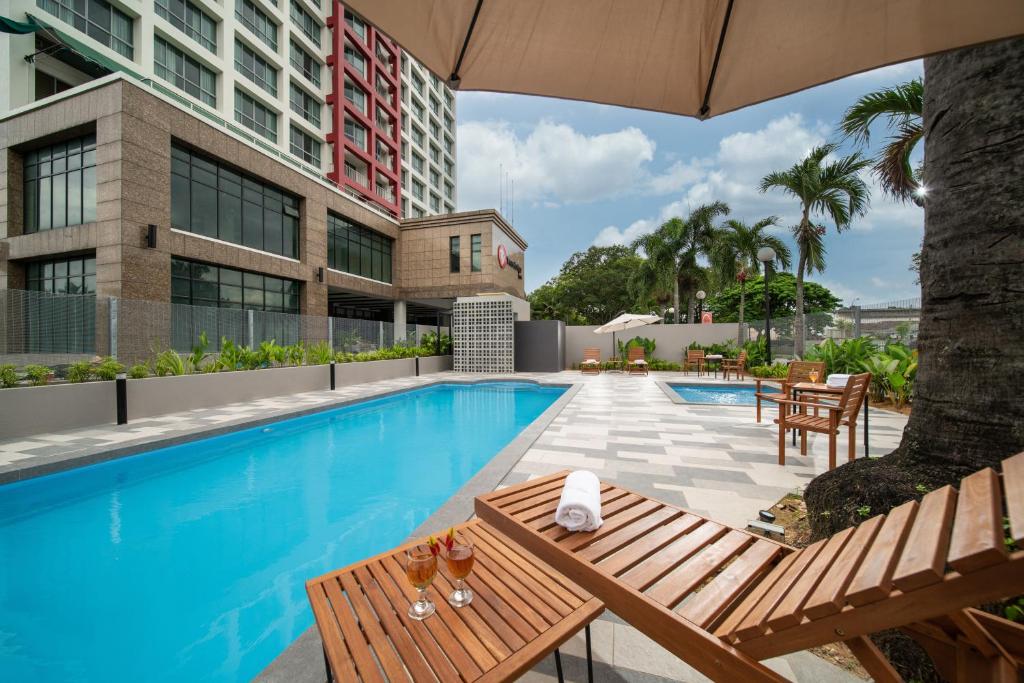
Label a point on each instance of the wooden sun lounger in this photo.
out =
(636, 363)
(722, 599)
(591, 361)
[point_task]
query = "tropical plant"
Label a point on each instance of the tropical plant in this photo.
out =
(647, 344)
(319, 354)
(428, 340)
(79, 372)
(271, 353)
(591, 288)
(138, 371)
(776, 370)
(296, 353)
(170, 363)
(848, 357)
(38, 374)
(734, 256)
(194, 360)
(230, 357)
(108, 369)
(823, 187)
(892, 374)
(8, 376)
(902, 108)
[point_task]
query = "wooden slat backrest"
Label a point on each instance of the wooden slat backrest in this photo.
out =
(850, 401)
(693, 355)
(1013, 491)
(636, 353)
(592, 354)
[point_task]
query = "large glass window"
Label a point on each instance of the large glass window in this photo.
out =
(355, 95)
(454, 256)
(309, 26)
(101, 20)
(306, 63)
(254, 19)
(190, 20)
(304, 104)
(255, 116)
(255, 68)
(475, 244)
(60, 185)
(417, 162)
(61, 324)
(356, 59)
(357, 25)
(355, 249)
(184, 72)
(305, 146)
(355, 132)
(209, 199)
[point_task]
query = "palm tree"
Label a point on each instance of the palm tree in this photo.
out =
(901, 106)
(735, 255)
(832, 188)
(674, 251)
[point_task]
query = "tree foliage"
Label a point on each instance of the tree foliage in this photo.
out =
(592, 287)
(782, 292)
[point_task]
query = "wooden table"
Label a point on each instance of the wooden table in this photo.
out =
(716, 359)
(521, 611)
(819, 388)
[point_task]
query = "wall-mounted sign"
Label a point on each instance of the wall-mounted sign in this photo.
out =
(505, 262)
(707, 318)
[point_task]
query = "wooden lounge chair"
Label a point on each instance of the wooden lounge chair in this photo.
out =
(636, 362)
(798, 371)
(723, 599)
(591, 361)
(694, 359)
(736, 366)
(843, 413)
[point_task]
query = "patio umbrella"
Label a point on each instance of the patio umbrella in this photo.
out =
(694, 57)
(625, 322)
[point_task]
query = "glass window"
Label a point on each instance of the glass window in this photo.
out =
(357, 25)
(435, 203)
(356, 59)
(417, 190)
(60, 185)
(435, 130)
(417, 162)
(417, 136)
(190, 20)
(254, 116)
(475, 243)
(449, 190)
(306, 63)
(184, 72)
(435, 154)
(356, 249)
(355, 132)
(100, 20)
(305, 105)
(418, 83)
(305, 146)
(454, 260)
(254, 19)
(75, 275)
(417, 110)
(309, 26)
(255, 68)
(210, 199)
(435, 178)
(449, 167)
(355, 95)
(61, 324)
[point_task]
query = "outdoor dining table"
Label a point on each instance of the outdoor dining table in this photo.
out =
(716, 359)
(522, 610)
(824, 389)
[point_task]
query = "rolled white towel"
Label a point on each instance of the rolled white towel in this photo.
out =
(837, 381)
(579, 508)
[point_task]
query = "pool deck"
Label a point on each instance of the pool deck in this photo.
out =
(711, 459)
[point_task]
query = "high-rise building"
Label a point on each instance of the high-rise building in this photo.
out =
(428, 142)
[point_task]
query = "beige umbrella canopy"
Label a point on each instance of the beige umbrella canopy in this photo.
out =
(693, 57)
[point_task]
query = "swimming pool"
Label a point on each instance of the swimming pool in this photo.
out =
(733, 395)
(188, 563)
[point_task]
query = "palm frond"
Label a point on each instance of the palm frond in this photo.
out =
(892, 166)
(900, 104)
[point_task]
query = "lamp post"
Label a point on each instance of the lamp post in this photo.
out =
(766, 255)
(700, 305)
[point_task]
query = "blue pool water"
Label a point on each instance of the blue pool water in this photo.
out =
(725, 395)
(188, 563)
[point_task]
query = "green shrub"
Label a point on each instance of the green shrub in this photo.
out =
(230, 355)
(428, 340)
(79, 372)
(663, 365)
(138, 371)
(271, 353)
(319, 354)
(777, 370)
(108, 369)
(194, 360)
(8, 377)
(170, 363)
(38, 374)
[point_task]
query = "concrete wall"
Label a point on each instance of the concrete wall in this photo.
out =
(432, 364)
(35, 410)
(540, 345)
(669, 339)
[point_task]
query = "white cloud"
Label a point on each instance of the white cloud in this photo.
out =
(552, 163)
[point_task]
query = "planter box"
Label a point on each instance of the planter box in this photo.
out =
(374, 370)
(431, 364)
(161, 395)
(25, 411)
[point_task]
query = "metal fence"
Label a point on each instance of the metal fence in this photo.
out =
(60, 329)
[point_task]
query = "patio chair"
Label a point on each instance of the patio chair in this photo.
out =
(694, 358)
(636, 361)
(722, 599)
(591, 362)
(736, 366)
(798, 371)
(842, 413)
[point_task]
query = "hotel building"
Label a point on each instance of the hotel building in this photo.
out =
(236, 155)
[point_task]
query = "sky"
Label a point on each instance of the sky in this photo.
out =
(590, 174)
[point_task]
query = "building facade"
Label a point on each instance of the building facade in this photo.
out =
(428, 143)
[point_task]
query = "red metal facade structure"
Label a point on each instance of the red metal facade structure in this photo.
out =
(365, 119)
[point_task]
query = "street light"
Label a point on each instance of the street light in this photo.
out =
(700, 304)
(766, 255)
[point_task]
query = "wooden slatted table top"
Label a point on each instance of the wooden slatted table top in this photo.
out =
(521, 611)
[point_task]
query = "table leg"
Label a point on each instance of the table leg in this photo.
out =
(794, 396)
(865, 426)
(558, 666)
(590, 660)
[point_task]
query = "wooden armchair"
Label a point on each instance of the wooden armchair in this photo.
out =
(736, 366)
(591, 363)
(694, 358)
(636, 363)
(799, 371)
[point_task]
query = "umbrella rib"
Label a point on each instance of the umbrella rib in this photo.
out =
(454, 79)
(705, 107)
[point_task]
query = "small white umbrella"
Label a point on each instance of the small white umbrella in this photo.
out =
(625, 322)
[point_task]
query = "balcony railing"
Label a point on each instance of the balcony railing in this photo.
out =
(356, 175)
(383, 90)
(385, 192)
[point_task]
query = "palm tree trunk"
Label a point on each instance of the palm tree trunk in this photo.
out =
(691, 307)
(798, 318)
(675, 299)
(743, 298)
